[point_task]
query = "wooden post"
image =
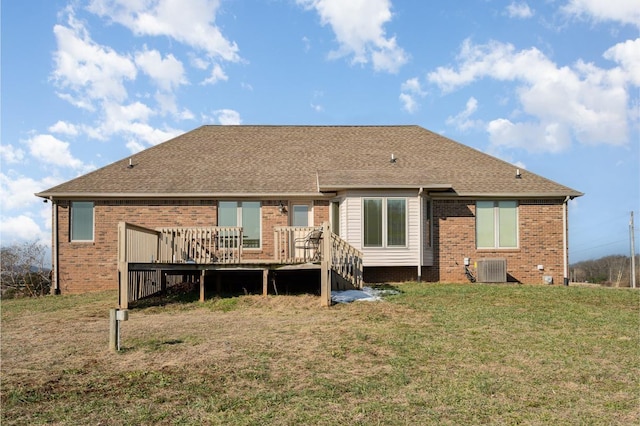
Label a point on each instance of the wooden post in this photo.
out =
(113, 330)
(123, 266)
(325, 266)
(265, 282)
(202, 286)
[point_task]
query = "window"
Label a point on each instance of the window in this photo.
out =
(385, 222)
(300, 215)
(497, 224)
(81, 221)
(245, 214)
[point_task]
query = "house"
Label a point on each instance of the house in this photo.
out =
(414, 205)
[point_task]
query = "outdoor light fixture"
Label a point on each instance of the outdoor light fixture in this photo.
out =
(282, 208)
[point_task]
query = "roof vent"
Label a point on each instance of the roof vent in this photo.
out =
(518, 174)
(393, 158)
(130, 166)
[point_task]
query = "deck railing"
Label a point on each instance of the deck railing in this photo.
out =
(346, 260)
(137, 244)
(151, 248)
(215, 244)
(289, 245)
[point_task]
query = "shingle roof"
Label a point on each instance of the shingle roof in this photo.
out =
(272, 160)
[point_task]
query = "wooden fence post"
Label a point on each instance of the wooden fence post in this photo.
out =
(113, 330)
(325, 266)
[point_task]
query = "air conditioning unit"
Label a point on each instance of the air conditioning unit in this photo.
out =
(492, 270)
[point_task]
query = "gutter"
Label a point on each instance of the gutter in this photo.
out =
(565, 242)
(571, 195)
(421, 230)
(444, 186)
(173, 196)
(54, 249)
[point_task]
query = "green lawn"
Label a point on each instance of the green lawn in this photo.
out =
(433, 354)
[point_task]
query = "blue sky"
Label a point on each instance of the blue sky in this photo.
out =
(551, 86)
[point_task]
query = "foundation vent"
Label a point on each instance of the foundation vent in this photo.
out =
(492, 270)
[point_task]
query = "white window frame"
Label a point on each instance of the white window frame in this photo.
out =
(93, 222)
(496, 226)
(239, 219)
(309, 206)
(385, 231)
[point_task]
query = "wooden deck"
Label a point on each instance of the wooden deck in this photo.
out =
(148, 259)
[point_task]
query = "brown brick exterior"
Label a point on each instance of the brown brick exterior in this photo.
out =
(91, 266)
(540, 241)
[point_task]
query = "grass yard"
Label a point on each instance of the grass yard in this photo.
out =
(433, 354)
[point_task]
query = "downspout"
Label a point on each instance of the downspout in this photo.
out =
(565, 242)
(54, 249)
(421, 230)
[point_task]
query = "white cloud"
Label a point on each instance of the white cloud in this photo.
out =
(64, 128)
(519, 10)
(462, 121)
(87, 69)
(316, 107)
(551, 137)
(168, 73)
(192, 24)
(120, 117)
(307, 43)
(410, 91)
(580, 101)
(23, 228)
(11, 154)
(217, 74)
(627, 54)
(359, 29)
(135, 146)
(224, 117)
(50, 150)
(624, 11)
(17, 192)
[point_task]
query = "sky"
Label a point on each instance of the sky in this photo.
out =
(552, 86)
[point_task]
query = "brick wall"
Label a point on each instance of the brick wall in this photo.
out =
(540, 242)
(91, 266)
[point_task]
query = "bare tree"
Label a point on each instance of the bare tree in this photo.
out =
(612, 270)
(22, 270)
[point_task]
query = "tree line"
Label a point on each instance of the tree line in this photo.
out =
(614, 270)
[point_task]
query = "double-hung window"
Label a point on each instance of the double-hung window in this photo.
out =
(81, 221)
(496, 224)
(245, 214)
(385, 222)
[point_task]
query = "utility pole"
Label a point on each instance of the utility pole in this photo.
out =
(633, 252)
